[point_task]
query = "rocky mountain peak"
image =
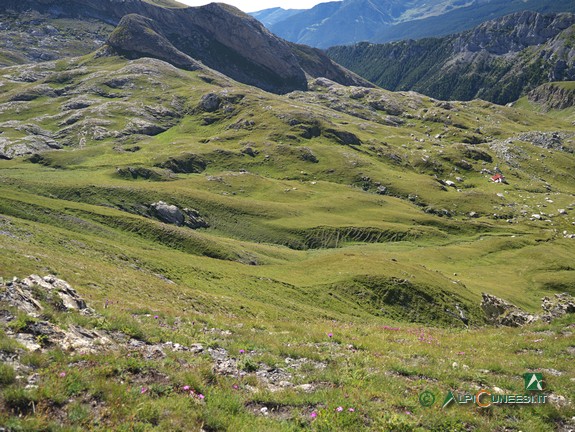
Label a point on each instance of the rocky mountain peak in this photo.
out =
(513, 33)
(216, 35)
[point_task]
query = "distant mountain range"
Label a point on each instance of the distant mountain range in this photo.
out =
(352, 21)
(274, 15)
(498, 61)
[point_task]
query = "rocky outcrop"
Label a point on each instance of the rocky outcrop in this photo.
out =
(171, 214)
(558, 306)
(11, 148)
(500, 312)
(562, 141)
(185, 164)
(30, 295)
(20, 293)
(94, 106)
(553, 96)
(218, 36)
(513, 33)
(137, 36)
(140, 172)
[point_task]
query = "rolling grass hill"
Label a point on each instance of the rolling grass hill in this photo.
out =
(345, 227)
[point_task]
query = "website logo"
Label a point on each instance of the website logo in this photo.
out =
(533, 381)
(426, 398)
(485, 398)
(449, 399)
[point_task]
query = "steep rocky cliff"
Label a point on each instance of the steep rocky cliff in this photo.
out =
(498, 61)
(554, 95)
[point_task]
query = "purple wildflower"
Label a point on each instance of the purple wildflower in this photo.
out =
(330, 335)
(313, 415)
(242, 351)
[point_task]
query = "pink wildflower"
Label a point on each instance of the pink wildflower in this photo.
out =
(235, 387)
(62, 374)
(351, 410)
(242, 351)
(143, 390)
(339, 409)
(313, 414)
(201, 396)
(186, 388)
(408, 412)
(330, 335)
(156, 317)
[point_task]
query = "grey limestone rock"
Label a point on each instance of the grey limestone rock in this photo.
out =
(171, 214)
(500, 312)
(167, 213)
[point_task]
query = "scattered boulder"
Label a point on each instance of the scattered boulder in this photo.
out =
(477, 154)
(210, 102)
(463, 164)
(311, 130)
(171, 214)
(139, 172)
(185, 164)
(249, 151)
(388, 104)
(307, 155)
(381, 190)
(143, 127)
(167, 213)
(343, 137)
(194, 220)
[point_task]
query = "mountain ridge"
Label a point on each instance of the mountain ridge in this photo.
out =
(217, 35)
(499, 61)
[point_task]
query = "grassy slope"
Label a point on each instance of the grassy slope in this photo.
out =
(74, 216)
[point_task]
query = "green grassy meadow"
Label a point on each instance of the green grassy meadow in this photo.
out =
(302, 243)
